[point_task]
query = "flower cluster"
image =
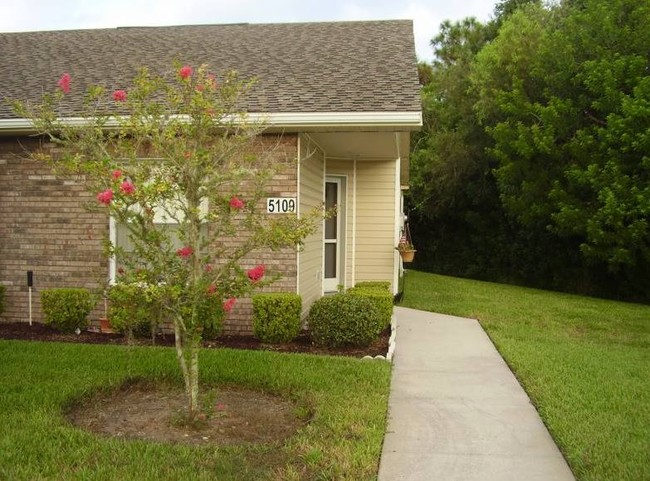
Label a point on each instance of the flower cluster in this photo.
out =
(185, 72)
(185, 252)
(256, 273)
(105, 197)
(236, 203)
(127, 187)
(64, 82)
(119, 96)
(228, 304)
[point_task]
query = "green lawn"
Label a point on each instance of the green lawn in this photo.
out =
(38, 381)
(584, 362)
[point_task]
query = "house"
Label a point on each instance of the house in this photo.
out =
(344, 96)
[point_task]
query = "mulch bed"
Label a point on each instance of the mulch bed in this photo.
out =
(41, 332)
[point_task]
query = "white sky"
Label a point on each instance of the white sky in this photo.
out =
(30, 15)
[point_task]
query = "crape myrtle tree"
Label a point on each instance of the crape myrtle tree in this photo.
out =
(176, 150)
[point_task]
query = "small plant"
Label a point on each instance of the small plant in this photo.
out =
(67, 309)
(276, 316)
(380, 296)
(345, 319)
(405, 246)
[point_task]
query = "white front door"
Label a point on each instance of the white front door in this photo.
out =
(332, 235)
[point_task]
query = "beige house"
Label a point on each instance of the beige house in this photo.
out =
(342, 97)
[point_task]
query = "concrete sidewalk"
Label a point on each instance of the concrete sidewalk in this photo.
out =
(456, 411)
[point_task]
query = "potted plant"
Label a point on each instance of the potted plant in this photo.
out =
(406, 250)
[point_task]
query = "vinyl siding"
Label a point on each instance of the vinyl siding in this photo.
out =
(310, 260)
(375, 239)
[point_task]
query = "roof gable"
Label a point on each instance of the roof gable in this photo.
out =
(300, 67)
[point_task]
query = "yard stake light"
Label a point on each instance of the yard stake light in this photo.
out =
(30, 284)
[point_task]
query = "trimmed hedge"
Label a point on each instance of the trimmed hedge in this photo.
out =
(345, 319)
(374, 284)
(67, 309)
(380, 296)
(276, 316)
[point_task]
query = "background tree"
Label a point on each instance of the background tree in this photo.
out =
(177, 149)
(532, 163)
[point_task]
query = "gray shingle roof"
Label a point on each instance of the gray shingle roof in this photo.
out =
(301, 67)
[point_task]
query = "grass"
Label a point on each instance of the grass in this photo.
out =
(40, 380)
(584, 362)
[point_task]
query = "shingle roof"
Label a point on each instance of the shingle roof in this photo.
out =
(301, 67)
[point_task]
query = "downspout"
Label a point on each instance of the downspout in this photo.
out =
(354, 222)
(298, 211)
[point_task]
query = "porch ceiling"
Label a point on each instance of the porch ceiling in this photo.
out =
(368, 146)
(364, 145)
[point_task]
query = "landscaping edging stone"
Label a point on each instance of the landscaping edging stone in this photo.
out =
(391, 343)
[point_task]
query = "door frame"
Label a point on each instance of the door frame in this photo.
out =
(331, 284)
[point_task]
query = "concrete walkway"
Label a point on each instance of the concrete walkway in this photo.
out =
(456, 411)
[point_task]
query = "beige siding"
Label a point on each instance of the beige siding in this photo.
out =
(310, 260)
(345, 169)
(375, 220)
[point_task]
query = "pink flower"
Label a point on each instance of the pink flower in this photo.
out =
(256, 273)
(212, 289)
(64, 82)
(229, 304)
(119, 96)
(127, 187)
(236, 203)
(185, 72)
(200, 88)
(185, 252)
(116, 174)
(105, 197)
(209, 267)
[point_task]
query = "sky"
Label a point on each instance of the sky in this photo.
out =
(30, 15)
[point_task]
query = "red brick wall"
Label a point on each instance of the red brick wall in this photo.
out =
(46, 228)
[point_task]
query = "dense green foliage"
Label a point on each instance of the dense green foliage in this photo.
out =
(276, 316)
(583, 361)
(345, 319)
(534, 165)
(345, 400)
(134, 309)
(374, 284)
(66, 309)
(380, 296)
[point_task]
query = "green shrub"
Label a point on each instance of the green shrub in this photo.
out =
(345, 319)
(276, 317)
(67, 309)
(380, 296)
(134, 309)
(374, 284)
(211, 314)
(2, 299)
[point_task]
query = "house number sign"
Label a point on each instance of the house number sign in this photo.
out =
(280, 205)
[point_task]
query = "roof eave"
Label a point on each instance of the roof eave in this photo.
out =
(285, 121)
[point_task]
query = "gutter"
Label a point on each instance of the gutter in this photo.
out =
(285, 121)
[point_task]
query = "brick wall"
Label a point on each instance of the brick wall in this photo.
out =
(46, 227)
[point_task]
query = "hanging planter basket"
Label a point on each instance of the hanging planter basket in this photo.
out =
(405, 246)
(407, 255)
